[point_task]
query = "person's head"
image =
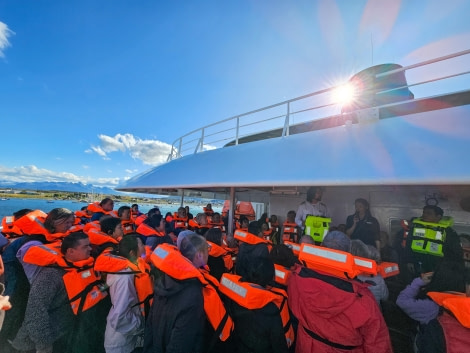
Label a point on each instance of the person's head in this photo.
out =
(361, 206)
(155, 221)
(255, 229)
(129, 247)
(183, 235)
(216, 217)
(181, 212)
(112, 226)
(124, 212)
(153, 211)
(244, 222)
(209, 206)
(260, 270)
(107, 204)
(282, 255)
(76, 247)
(135, 208)
(195, 248)
(337, 240)
(358, 248)
(214, 235)
(20, 213)
(307, 239)
(432, 214)
(273, 219)
(59, 220)
(201, 219)
(291, 216)
(314, 194)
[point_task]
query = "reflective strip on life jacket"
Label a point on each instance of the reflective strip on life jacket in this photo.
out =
(249, 238)
(9, 228)
(180, 223)
(365, 266)
(281, 274)
(127, 227)
(168, 259)
(252, 296)
(388, 269)
(294, 246)
(337, 263)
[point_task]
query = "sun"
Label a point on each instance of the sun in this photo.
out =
(344, 94)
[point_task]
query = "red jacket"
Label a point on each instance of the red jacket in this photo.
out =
(337, 313)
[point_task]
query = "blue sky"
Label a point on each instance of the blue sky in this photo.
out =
(97, 91)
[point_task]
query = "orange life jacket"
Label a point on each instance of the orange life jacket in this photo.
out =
(90, 225)
(168, 259)
(335, 262)
(457, 303)
(365, 266)
(33, 223)
(127, 227)
(249, 238)
(207, 211)
(82, 214)
(97, 237)
(9, 228)
(193, 224)
(219, 251)
(83, 286)
(281, 274)
(139, 220)
(95, 207)
(149, 231)
(113, 264)
(388, 269)
(294, 246)
(180, 223)
(290, 231)
(253, 296)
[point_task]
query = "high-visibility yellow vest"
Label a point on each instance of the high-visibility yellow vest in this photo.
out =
(317, 227)
(428, 238)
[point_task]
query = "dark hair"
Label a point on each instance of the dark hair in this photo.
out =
(154, 220)
(71, 241)
(245, 253)
(435, 209)
(105, 200)
(214, 235)
(153, 211)
(191, 244)
(311, 192)
(365, 203)
(242, 219)
(127, 244)
(20, 213)
(282, 255)
(254, 228)
(55, 215)
(122, 209)
(109, 224)
(134, 204)
(260, 271)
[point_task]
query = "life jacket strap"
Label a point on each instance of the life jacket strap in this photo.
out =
(328, 342)
(82, 295)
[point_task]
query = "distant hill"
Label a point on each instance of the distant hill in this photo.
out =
(60, 186)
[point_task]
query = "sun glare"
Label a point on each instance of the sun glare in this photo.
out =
(343, 94)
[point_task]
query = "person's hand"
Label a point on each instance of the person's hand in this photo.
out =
(427, 277)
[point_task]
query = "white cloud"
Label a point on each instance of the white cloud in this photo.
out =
(130, 171)
(5, 33)
(31, 173)
(85, 166)
(150, 152)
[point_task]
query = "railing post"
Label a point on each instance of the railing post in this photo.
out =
(285, 130)
(202, 140)
(237, 130)
(180, 146)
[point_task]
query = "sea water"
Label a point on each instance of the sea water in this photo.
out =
(8, 207)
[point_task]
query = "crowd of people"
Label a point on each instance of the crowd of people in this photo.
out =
(120, 281)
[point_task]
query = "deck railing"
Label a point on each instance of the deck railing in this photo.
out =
(318, 105)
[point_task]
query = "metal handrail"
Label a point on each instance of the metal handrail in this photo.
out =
(235, 131)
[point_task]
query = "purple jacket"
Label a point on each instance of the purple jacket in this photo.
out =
(421, 310)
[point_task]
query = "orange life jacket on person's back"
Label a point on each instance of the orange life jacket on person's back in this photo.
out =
(148, 231)
(95, 207)
(168, 259)
(113, 264)
(249, 238)
(180, 223)
(9, 228)
(253, 296)
(219, 251)
(33, 223)
(97, 237)
(83, 286)
(281, 274)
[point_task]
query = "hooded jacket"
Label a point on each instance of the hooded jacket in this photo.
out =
(335, 315)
